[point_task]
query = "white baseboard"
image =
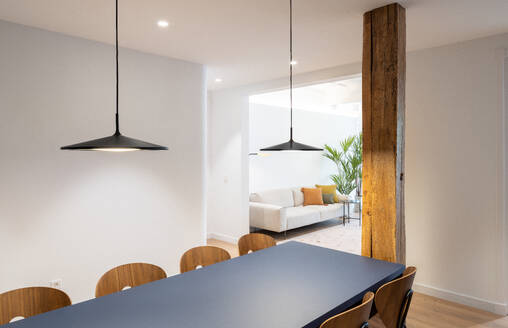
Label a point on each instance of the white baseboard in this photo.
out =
(497, 308)
(222, 237)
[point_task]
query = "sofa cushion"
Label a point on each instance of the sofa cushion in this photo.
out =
(300, 216)
(267, 216)
(280, 197)
(330, 189)
(298, 196)
(331, 211)
(328, 199)
(312, 196)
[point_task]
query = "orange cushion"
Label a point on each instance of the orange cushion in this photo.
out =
(312, 196)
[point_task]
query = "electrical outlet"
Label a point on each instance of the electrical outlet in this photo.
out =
(57, 283)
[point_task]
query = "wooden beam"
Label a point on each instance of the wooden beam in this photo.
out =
(384, 80)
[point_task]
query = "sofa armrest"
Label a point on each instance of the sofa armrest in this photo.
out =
(267, 216)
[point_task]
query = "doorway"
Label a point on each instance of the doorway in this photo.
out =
(324, 114)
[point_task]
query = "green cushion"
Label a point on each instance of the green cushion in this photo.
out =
(328, 198)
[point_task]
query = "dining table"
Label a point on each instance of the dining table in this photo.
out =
(290, 285)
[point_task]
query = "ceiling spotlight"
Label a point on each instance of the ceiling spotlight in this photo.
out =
(163, 23)
(293, 62)
(218, 80)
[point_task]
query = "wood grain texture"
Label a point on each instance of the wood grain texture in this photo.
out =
(384, 76)
(353, 318)
(367, 136)
(390, 297)
(254, 242)
(202, 256)
(30, 301)
(128, 275)
(427, 311)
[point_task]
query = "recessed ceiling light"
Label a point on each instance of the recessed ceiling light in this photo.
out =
(218, 80)
(163, 23)
(293, 62)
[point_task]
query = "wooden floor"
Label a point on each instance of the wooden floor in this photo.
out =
(427, 311)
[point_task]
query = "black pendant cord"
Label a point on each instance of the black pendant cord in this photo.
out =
(291, 68)
(117, 132)
(116, 142)
(291, 145)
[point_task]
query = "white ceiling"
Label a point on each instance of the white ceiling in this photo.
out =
(245, 41)
(336, 98)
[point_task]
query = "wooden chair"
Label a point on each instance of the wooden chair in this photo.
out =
(393, 300)
(27, 302)
(254, 242)
(202, 256)
(128, 275)
(356, 317)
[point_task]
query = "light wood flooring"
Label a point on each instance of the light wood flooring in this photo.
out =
(427, 311)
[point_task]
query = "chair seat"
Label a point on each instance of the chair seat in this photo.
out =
(376, 322)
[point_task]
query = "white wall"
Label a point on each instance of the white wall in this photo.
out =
(504, 158)
(456, 176)
(75, 215)
(227, 203)
(269, 125)
(454, 169)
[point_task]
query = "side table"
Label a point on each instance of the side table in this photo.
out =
(348, 204)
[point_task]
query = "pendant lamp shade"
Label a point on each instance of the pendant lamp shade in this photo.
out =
(291, 145)
(117, 142)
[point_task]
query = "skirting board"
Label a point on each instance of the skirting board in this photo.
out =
(497, 308)
(222, 237)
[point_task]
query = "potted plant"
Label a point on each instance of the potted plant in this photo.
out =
(348, 160)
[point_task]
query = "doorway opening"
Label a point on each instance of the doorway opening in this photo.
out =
(326, 115)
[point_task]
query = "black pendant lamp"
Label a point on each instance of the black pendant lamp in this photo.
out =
(291, 145)
(117, 142)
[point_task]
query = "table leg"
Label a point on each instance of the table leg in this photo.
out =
(344, 214)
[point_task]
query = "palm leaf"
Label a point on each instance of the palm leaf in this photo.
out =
(348, 159)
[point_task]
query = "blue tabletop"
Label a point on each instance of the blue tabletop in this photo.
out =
(288, 286)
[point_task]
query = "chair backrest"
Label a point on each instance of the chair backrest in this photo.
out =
(393, 299)
(27, 302)
(356, 317)
(254, 242)
(202, 256)
(128, 275)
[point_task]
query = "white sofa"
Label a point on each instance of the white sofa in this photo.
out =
(280, 210)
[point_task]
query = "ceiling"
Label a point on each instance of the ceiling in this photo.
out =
(245, 41)
(342, 97)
